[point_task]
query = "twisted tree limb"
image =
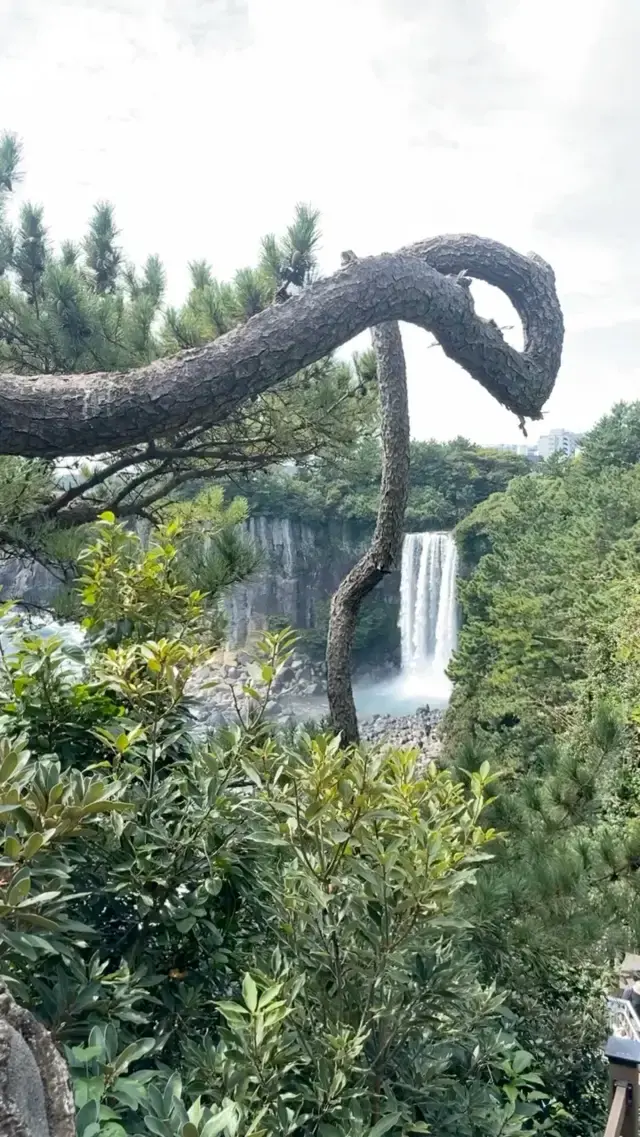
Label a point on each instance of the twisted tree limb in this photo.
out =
(49, 416)
(383, 553)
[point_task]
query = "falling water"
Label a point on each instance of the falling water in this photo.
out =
(428, 628)
(428, 621)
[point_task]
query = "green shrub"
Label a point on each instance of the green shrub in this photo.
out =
(252, 934)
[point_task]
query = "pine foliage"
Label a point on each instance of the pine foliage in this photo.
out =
(547, 679)
(83, 307)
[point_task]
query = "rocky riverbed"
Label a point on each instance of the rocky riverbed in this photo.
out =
(298, 694)
(418, 731)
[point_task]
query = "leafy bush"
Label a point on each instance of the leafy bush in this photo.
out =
(252, 933)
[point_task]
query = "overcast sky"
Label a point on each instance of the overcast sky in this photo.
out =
(205, 121)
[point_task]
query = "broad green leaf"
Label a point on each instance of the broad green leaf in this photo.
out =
(86, 1053)
(232, 1010)
(173, 1089)
(33, 845)
(219, 1122)
(249, 992)
(186, 925)
(9, 765)
(159, 1128)
(251, 773)
(521, 1061)
(96, 1037)
(385, 1124)
(87, 1116)
(269, 995)
(12, 848)
(133, 1053)
(195, 1112)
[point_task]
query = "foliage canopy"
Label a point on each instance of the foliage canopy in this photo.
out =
(547, 688)
(247, 933)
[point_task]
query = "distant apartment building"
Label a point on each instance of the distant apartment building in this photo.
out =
(559, 441)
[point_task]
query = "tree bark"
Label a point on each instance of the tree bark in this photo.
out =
(53, 415)
(383, 553)
(385, 549)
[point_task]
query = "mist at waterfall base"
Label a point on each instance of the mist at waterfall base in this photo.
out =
(428, 629)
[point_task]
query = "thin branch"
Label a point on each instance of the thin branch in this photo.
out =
(96, 479)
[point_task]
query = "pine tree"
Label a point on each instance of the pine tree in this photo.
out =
(103, 255)
(30, 253)
(10, 155)
(84, 307)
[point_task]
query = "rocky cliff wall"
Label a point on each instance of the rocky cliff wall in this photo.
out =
(300, 567)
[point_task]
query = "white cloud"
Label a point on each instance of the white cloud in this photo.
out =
(204, 121)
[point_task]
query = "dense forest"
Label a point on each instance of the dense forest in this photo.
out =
(547, 689)
(462, 922)
(447, 480)
(253, 932)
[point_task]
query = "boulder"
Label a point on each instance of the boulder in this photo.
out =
(36, 1099)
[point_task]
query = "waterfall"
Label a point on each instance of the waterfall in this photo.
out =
(428, 618)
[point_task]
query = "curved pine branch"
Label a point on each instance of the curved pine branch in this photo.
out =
(53, 415)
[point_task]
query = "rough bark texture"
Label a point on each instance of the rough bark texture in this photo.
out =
(472, 342)
(384, 551)
(36, 1099)
(48, 416)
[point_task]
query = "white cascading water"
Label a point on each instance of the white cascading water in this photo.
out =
(428, 615)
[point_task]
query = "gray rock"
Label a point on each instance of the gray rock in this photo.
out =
(23, 1086)
(36, 1099)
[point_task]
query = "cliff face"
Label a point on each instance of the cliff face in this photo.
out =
(24, 580)
(301, 566)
